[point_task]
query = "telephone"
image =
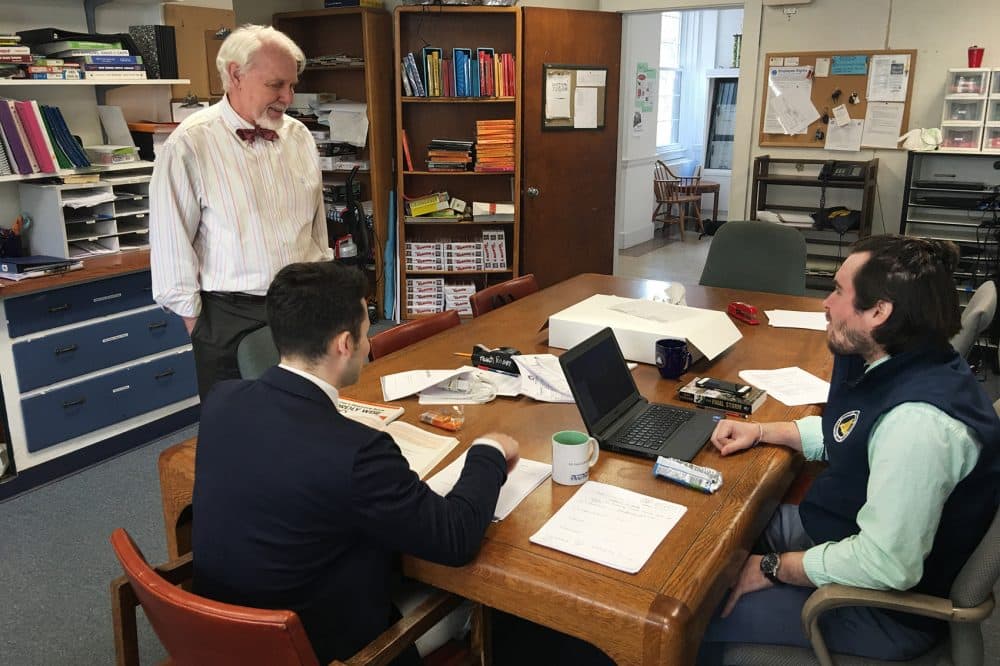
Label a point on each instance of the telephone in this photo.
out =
(837, 170)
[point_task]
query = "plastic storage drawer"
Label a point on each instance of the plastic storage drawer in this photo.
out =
(60, 356)
(71, 411)
(49, 309)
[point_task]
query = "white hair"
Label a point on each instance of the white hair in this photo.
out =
(244, 42)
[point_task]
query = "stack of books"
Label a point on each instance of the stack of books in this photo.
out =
(13, 56)
(494, 145)
(449, 155)
(36, 138)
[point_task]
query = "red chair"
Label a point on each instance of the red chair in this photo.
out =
(198, 631)
(406, 334)
(501, 294)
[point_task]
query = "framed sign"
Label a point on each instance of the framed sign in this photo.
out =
(573, 96)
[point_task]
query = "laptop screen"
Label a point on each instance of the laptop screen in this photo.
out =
(601, 382)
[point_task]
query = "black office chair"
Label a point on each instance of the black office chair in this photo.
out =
(256, 353)
(758, 256)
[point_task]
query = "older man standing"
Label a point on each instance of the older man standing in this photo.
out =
(236, 195)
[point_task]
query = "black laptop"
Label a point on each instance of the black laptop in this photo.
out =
(617, 416)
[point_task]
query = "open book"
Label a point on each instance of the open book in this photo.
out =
(422, 449)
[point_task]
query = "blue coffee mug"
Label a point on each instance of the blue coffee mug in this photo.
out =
(672, 358)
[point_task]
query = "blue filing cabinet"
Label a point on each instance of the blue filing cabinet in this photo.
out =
(86, 362)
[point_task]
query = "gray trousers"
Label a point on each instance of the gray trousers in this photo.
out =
(773, 616)
(224, 321)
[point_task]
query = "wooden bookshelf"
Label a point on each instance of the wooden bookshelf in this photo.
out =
(366, 33)
(427, 118)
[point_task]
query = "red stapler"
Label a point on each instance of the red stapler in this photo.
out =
(744, 312)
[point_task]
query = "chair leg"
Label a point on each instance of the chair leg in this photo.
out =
(680, 211)
(482, 638)
(697, 213)
(123, 605)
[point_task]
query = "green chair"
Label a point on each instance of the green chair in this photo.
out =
(256, 353)
(758, 256)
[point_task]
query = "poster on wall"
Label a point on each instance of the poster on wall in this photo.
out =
(645, 90)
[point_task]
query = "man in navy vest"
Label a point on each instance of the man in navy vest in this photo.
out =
(913, 473)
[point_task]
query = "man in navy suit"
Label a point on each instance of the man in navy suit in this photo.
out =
(298, 507)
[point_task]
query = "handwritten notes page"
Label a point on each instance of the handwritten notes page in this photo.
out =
(609, 525)
(527, 475)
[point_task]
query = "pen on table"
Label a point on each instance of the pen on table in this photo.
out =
(462, 354)
(737, 416)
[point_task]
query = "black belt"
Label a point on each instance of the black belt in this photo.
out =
(236, 297)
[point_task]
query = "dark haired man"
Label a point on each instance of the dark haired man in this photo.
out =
(911, 444)
(298, 507)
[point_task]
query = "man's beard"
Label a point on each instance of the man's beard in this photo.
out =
(849, 341)
(265, 121)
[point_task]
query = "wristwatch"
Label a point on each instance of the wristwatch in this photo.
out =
(769, 565)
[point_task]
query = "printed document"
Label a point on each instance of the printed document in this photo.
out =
(789, 108)
(846, 137)
(610, 525)
(542, 378)
(527, 475)
(883, 124)
(814, 321)
(889, 78)
(557, 95)
(792, 386)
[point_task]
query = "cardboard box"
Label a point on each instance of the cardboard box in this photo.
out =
(638, 324)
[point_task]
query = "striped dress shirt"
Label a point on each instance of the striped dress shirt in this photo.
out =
(227, 215)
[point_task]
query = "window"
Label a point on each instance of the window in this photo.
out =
(669, 103)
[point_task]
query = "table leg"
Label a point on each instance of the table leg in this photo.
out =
(715, 205)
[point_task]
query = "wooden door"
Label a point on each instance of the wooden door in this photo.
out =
(567, 228)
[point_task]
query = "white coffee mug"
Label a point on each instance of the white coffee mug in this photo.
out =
(573, 454)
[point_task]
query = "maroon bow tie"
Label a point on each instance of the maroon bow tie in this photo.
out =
(250, 135)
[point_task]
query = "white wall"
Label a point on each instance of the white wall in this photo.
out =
(730, 22)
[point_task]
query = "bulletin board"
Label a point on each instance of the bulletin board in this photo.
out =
(559, 111)
(823, 88)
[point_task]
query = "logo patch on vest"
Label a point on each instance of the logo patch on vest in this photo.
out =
(845, 424)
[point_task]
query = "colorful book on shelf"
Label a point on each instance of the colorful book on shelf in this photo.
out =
(406, 152)
(5, 160)
(36, 137)
(14, 131)
(75, 45)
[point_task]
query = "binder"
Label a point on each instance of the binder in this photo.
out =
(487, 86)
(157, 45)
(31, 264)
(460, 59)
(5, 161)
(33, 133)
(430, 55)
(12, 143)
(61, 158)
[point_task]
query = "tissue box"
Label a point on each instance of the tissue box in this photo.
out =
(638, 324)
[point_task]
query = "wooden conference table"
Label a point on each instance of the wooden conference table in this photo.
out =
(657, 615)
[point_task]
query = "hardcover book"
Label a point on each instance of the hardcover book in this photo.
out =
(706, 397)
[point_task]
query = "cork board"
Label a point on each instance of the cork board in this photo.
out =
(823, 88)
(196, 50)
(564, 80)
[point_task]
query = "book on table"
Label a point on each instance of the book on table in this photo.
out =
(387, 413)
(716, 399)
(423, 450)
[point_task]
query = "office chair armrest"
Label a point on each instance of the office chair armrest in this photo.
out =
(124, 602)
(829, 597)
(391, 643)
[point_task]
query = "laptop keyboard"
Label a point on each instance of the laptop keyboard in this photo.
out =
(652, 427)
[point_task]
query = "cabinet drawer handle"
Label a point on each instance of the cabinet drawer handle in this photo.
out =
(66, 349)
(59, 308)
(157, 324)
(73, 403)
(165, 373)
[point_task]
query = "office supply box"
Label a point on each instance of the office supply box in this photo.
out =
(638, 324)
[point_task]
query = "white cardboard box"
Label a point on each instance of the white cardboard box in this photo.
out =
(638, 324)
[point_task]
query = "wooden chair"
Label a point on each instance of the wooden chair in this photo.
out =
(498, 295)
(680, 191)
(406, 334)
(197, 631)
